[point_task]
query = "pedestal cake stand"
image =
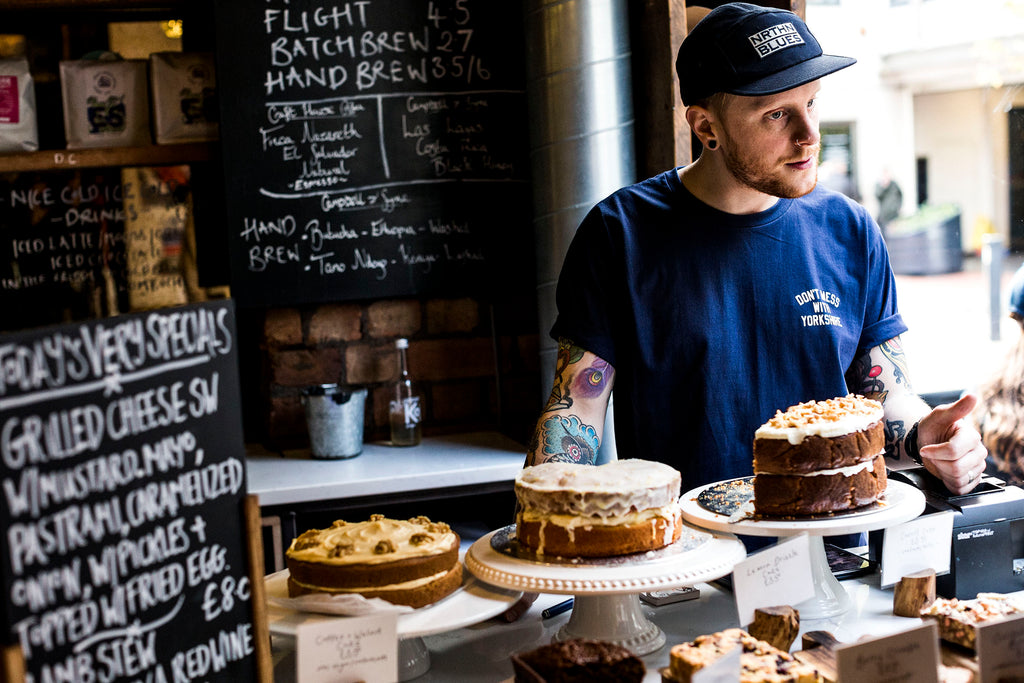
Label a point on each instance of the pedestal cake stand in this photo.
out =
(606, 605)
(901, 503)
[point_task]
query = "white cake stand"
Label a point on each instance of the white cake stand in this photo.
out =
(606, 605)
(902, 503)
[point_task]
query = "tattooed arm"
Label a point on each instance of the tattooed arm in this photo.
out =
(571, 426)
(947, 445)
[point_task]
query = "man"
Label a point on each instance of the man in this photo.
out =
(712, 295)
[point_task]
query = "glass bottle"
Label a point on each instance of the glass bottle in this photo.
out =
(406, 409)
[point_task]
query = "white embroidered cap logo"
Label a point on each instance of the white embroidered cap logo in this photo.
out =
(775, 38)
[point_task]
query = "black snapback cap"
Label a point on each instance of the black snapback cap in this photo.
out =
(746, 49)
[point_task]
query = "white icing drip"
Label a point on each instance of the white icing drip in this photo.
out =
(848, 471)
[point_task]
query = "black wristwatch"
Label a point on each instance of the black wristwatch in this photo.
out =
(910, 445)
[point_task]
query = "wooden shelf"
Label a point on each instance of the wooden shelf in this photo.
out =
(70, 159)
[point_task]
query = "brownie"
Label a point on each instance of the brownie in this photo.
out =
(579, 660)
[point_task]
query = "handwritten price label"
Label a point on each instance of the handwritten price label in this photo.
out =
(779, 575)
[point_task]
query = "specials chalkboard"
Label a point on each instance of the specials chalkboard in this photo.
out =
(122, 475)
(373, 148)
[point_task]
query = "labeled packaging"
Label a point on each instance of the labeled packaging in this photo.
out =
(19, 131)
(406, 406)
(183, 87)
(106, 102)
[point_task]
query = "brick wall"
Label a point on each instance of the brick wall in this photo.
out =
(476, 363)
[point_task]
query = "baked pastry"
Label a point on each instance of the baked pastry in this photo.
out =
(958, 619)
(819, 457)
(578, 660)
(624, 506)
(759, 661)
(411, 562)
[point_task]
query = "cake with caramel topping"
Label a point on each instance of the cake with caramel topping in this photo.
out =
(820, 457)
(622, 507)
(411, 562)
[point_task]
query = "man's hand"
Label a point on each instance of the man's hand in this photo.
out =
(951, 447)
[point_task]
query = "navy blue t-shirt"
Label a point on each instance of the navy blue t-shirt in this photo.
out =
(714, 321)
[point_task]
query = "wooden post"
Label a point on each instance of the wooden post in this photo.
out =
(260, 627)
(777, 626)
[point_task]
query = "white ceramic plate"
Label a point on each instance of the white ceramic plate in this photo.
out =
(470, 604)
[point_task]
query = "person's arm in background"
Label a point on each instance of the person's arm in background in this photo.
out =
(571, 425)
(943, 442)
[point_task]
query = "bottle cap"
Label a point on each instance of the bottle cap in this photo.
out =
(401, 343)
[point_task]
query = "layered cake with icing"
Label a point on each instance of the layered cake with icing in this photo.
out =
(624, 506)
(578, 660)
(820, 457)
(411, 562)
(760, 662)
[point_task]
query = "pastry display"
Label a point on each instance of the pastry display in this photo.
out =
(958, 619)
(624, 506)
(759, 661)
(578, 660)
(411, 562)
(819, 457)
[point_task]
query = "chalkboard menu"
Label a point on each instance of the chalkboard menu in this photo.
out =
(62, 240)
(372, 148)
(122, 475)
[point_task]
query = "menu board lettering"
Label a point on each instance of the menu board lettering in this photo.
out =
(121, 479)
(381, 150)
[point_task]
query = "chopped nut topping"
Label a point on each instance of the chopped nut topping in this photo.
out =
(438, 528)
(814, 412)
(338, 523)
(308, 539)
(377, 518)
(420, 539)
(420, 520)
(384, 547)
(341, 550)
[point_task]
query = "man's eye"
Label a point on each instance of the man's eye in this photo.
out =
(775, 115)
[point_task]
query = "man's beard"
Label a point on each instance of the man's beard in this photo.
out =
(764, 179)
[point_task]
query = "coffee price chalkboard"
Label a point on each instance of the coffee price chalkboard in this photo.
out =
(122, 478)
(372, 148)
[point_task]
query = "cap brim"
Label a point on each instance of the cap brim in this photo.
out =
(795, 76)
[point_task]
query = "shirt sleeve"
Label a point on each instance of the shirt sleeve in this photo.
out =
(585, 291)
(882, 319)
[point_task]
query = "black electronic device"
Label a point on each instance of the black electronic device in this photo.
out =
(987, 549)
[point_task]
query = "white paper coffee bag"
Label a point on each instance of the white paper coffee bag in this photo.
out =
(184, 91)
(18, 129)
(106, 103)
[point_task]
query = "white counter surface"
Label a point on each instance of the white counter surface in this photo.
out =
(481, 653)
(438, 462)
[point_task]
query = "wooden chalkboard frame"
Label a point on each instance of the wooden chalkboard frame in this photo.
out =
(131, 546)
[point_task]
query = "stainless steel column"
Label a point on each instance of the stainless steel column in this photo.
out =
(579, 93)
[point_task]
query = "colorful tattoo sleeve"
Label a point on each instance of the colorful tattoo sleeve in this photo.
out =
(567, 439)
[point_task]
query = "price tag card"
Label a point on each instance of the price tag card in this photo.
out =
(921, 543)
(910, 656)
(348, 650)
(725, 669)
(1000, 647)
(779, 575)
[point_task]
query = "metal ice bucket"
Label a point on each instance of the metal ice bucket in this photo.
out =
(334, 418)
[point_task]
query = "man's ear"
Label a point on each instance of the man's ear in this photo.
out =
(701, 122)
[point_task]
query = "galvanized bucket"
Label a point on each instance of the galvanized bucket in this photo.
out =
(334, 417)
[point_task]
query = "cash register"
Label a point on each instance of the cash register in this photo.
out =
(987, 550)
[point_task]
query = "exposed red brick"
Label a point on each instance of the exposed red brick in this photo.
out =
(367, 363)
(282, 327)
(335, 323)
(393, 318)
(302, 367)
(436, 359)
(452, 316)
